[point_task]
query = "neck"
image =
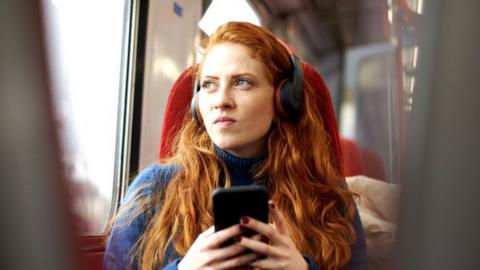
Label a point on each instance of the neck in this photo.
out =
(241, 170)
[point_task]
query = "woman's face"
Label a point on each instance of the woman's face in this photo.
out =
(236, 100)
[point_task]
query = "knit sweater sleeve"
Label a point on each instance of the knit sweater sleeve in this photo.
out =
(359, 249)
(124, 234)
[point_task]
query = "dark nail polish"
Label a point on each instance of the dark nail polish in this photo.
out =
(245, 220)
(242, 229)
(272, 206)
(238, 238)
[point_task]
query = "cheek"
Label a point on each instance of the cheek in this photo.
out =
(267, 104)
(262, 114)
(202, 106)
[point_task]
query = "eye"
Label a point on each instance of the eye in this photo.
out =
(208, 85)
(243, 83)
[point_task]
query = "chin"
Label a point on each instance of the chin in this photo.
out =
(226, 145)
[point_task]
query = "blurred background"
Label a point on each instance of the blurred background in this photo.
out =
(84, 86)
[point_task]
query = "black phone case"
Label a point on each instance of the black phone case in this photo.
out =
(230, 204)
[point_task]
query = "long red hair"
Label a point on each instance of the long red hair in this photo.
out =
(298, 172)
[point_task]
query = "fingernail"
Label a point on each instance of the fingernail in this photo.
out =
(245, 220)
(238, 238)
(241, 229)
(272, 205)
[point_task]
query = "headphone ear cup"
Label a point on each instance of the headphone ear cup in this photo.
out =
(290, 103)
(278, 99)
(194, 105)
(194, 108)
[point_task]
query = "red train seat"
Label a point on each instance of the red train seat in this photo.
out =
(178, 104)
(349, 157)
(358, 161)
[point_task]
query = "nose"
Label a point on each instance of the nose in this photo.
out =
(224, 98)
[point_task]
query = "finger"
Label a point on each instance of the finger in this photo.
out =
(259, 247)
(260, 237)
(260, 227)
(217, 238)
(267, 263)
(277, 217)
(223, 253)
(256, 237)
(207, 232)
(237, 262)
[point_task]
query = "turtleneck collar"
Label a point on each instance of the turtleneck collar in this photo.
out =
(240, 169)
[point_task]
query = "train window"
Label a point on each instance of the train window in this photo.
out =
(415, 5)
(86, 55)
(409, 60)
(367, 112)
(220, 12)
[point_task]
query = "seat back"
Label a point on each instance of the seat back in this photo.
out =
(361, 161)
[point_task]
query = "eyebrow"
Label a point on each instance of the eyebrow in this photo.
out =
(234, 76)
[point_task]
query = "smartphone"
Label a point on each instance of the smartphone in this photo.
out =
(230, 204)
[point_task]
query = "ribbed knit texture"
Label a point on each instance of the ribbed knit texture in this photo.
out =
(241, 170)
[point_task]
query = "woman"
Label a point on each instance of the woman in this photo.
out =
(242, 133)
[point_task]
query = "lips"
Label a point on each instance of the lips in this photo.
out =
(224, 121)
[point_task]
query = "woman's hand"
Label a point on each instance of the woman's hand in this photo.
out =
(281, 253)
(206, 253)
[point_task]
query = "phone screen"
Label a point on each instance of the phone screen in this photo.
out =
(230, 204)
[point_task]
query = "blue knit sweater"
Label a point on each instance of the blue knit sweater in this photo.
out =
(123, 238)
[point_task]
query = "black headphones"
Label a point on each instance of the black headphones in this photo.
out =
(288, 100)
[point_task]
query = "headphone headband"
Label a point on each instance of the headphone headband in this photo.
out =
(289, 50)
